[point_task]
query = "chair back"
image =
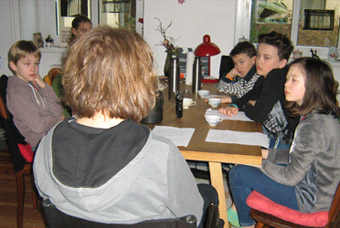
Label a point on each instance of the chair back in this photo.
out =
(226, 65)
(13, 135)
(334, 212)
(57, 219)
(52, 73)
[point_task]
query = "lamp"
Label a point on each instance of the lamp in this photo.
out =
(207, 49)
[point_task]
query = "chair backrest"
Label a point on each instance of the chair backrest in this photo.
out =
(53, 72)
(225, 66)
(48, 80)
(57, 219)
(13, 136)
(334, 212)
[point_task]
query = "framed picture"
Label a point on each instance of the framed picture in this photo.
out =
(38, 40)
(65, 35)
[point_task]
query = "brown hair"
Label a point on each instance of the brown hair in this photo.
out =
(244, 47)
(21, 49)
(280, 41)
(321, 88)
(110, 70)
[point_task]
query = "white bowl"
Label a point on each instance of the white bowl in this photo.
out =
(214, 102)
(203, 93)
(213, 120)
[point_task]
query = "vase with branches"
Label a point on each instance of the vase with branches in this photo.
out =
(169, 43)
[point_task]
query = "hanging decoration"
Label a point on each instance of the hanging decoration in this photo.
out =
(181, 1)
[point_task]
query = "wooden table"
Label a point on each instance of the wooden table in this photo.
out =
(213, 153)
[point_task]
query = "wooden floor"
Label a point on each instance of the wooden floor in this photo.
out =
(8, 197)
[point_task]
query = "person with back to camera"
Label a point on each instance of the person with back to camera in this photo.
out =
(102, 165)
(242, 78)
(306, 177)
(265, 102)
(32, 102)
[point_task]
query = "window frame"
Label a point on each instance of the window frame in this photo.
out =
(243, 23)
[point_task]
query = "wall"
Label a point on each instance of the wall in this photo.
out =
(190, 22)
(10, 31)
(19, 19)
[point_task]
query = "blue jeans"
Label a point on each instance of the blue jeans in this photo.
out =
(244, 179)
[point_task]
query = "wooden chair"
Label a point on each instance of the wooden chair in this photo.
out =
(288, 218)
(22, 168)
(52, 73)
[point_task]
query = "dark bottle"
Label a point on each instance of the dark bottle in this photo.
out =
(179, 105)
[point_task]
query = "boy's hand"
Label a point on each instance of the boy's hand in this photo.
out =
(229, 111)
(226, 99)
(38, 81)
(252, 102)
(233, 73)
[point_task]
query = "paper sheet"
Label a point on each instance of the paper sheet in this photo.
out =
(179, 136)
(237, 137)
(215, 95)
(239, 116)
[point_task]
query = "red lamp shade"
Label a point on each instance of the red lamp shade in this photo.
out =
(206, 48)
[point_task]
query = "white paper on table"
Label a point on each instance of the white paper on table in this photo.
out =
(179, 136)
(239, 116)
(237, 137)
(215, 95)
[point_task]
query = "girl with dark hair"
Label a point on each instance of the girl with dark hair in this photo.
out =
(80, 25)
(306, 177)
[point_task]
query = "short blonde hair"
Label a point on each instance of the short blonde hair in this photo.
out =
(110, 70)
(21, 49)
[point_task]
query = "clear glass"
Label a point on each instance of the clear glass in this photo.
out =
(319, 38)
(270, 15)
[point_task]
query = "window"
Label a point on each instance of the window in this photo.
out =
(267, 16)
(312, 23)
(68, 9)
(118, 13)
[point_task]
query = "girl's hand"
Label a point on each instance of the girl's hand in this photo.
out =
(265, 153)
(229, 111)
(38, 81)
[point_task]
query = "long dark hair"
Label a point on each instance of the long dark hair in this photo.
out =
(321, 88)
(76, 23)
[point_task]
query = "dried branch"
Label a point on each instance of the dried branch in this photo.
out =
(168, 42)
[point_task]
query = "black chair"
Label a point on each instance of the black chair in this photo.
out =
(54, 218)
(22, 168)
(225, 66)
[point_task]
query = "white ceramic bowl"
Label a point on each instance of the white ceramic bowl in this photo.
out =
(203, 93)
(213, 120)
(214, 102)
